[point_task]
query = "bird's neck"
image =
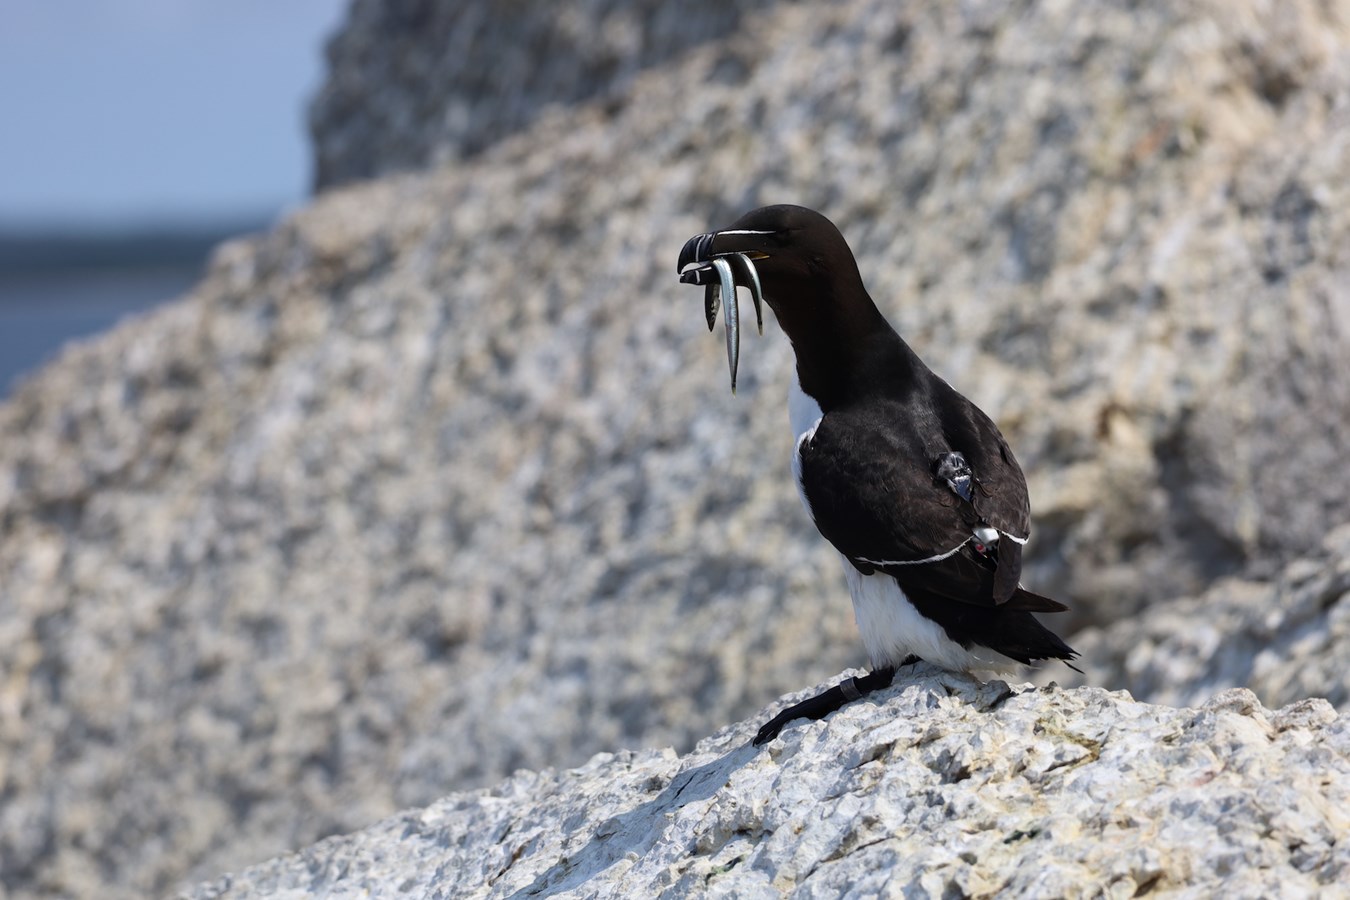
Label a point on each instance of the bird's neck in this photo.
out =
(841, 346)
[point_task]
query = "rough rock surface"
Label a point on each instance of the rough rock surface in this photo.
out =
(1285, 639)
(441, 479)
(940, 787)
(414, 83)
(1162, 184)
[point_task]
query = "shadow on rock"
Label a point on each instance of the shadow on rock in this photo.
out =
(638, 830)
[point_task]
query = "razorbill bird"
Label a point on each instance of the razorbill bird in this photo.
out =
(911, 482)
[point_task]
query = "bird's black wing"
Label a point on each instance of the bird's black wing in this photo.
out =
(999, 496)
(871, 489)
(871, 493)
(1002, 498)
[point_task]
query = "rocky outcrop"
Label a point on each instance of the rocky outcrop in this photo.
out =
(1285, 639)
(939, 787)
(441, 478)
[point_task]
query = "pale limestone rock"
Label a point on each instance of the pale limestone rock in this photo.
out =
(938, 787)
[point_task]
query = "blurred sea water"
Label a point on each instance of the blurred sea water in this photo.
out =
(57, 289)
(39, 314)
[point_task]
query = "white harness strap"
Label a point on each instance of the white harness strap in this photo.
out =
(940, 556)
(915, 562)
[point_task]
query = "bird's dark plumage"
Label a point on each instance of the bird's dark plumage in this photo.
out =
(911, 482)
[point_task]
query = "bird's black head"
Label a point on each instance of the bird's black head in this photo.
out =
(793, 258)
(797, 253)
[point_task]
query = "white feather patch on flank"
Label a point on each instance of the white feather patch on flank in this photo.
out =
(893, 629)
(745, 231)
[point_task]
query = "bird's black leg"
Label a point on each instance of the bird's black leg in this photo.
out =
(821, 705)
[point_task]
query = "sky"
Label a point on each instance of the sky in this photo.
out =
(117, 112)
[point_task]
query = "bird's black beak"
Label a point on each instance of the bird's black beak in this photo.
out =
(698, 249)
(720, 273)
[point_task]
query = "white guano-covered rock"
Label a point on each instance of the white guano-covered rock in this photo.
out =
(937, 787)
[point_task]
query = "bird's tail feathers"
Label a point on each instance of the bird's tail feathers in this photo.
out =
(1015, 633)
(1032, 602)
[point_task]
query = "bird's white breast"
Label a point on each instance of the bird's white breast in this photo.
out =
(804, 413)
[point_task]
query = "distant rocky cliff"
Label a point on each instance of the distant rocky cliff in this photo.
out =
(415, 83)
(441, 478)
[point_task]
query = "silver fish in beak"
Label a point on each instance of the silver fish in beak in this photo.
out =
(721, 274)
